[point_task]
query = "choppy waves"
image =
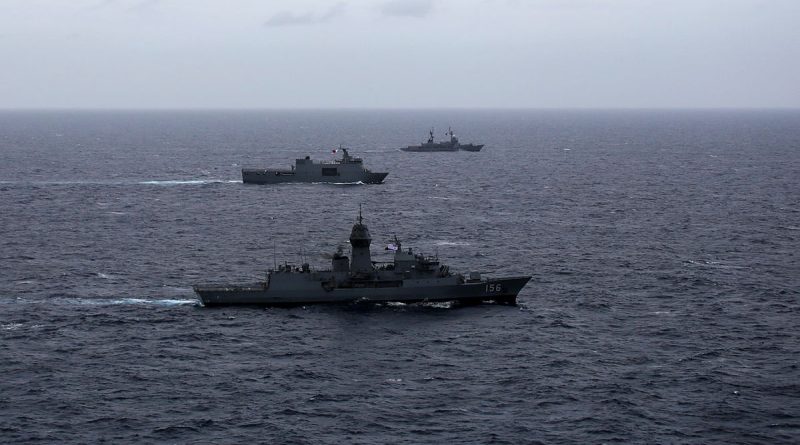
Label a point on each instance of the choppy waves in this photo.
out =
(663, 306)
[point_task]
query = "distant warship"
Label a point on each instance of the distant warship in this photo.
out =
(345, 170)
(409, 278)
(452, 145)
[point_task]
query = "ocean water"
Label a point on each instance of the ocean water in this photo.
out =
(664, 305)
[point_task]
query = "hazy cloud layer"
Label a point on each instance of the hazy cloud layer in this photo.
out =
(287, 18)
(392, 53)
(407, 8)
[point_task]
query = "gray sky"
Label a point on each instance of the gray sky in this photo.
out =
(399, 53)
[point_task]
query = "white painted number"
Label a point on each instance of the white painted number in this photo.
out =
(494, 287)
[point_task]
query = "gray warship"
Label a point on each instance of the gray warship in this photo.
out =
(451, 145)
(410, 278)
(347, 170)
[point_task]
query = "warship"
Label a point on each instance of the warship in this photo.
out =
(347, 170)
(411, 277)
(451, 145)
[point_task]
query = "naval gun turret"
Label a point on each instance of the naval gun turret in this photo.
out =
(340, 262)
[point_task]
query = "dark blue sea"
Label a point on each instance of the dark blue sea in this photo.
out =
(664, 305)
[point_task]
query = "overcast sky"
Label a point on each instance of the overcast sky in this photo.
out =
(399, 53)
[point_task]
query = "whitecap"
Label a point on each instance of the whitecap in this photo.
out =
(440, 304)
(450, 243)
(713, 264)
(334, 183)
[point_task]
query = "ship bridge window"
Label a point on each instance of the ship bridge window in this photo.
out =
(330, 171)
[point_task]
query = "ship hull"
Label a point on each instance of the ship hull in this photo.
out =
(442, 147)
(501, 290)
(423, 148)
(268, 176)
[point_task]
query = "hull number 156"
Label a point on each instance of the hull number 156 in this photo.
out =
(494, 287)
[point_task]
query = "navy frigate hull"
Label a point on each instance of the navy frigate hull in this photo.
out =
(429, 148)
(442, 147)
(452, 145)
(501, 290)
(409, 278)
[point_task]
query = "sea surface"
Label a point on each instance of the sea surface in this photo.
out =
(664, 305)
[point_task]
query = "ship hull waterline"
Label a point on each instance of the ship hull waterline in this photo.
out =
(266, 176)
(431, 149)
(423, 149)
(501, 290)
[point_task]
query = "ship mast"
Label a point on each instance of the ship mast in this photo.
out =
(360, 259)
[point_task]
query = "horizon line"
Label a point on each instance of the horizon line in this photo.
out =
(202, 109)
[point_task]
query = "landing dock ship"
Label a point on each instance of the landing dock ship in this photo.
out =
(347, 170)
(410, 278)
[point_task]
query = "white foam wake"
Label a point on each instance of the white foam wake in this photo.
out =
(126, 301)
(450, 243)
(189, 182)
(128, 182)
